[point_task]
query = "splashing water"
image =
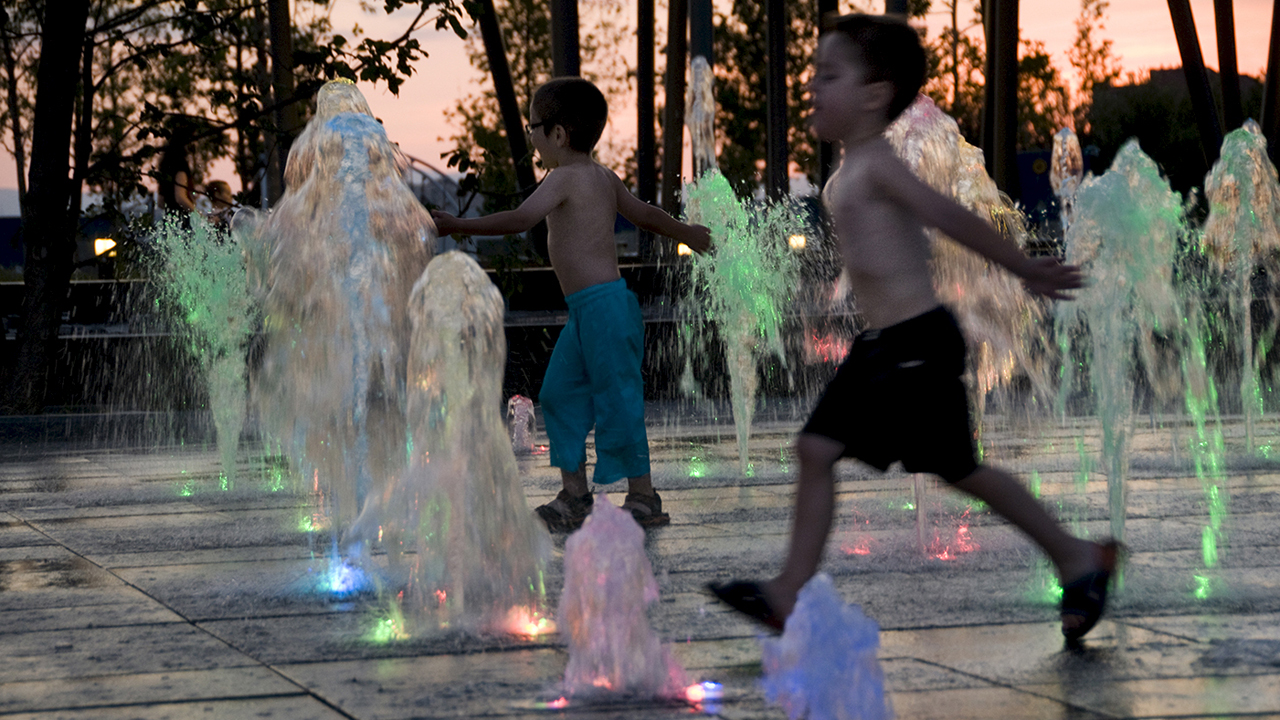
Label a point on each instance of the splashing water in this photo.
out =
(1001, 322)
(1241, 240)
(741, 287)
(203, 276)
(824, 666)
(608, 584)
(1124, 236)
(457, 522)
(1066, 172)
(522, 421)
(334, 262)
(701, 116)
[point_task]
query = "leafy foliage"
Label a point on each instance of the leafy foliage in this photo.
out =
(154, 64)
(741, 67)
(1092, 58)
(1044, 103)
(481, 151)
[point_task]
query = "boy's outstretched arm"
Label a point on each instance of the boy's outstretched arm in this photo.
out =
(656, 220)
(1042, 276)
(508, 222)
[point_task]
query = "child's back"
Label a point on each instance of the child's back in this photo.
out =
(580, 229)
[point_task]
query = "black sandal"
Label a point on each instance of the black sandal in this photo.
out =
(565, 513)
(748, 598)
(1086, 597)
(646, 509)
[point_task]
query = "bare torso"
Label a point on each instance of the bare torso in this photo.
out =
(580, 229)
(884, 248)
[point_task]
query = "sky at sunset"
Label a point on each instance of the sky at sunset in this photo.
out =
(1140, 30)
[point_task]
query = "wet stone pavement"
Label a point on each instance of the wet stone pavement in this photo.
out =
(134, 584)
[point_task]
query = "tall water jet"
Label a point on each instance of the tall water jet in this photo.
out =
(1066, 172)
(1241, 240)
(335, 261)
(608, 585)
(203, 278)
(1124, 236)
(741, 287)
(456, 525)
(1001, 322)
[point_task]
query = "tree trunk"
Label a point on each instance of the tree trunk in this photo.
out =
(282, 85)
(83, 133)
(48, 233)
(673, 113)
(503, 87)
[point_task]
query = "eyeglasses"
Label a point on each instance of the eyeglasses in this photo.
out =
(534, 126)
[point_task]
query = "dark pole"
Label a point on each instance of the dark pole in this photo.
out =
(1225, 21)
(701, 33)
(989, 85)
(512, 120)
(895, 7)
(826, 152)
(48, 233)
(646, 165)
(1271, 90)
(673, 114)
(565, 58)
(776, 183)
(1005, 132)
(1184, 27)
(282, 85)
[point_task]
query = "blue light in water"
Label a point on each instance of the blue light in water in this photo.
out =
(345, 580)
(705, 696)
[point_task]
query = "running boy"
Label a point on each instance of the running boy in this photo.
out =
(903, 374)
(593, 378)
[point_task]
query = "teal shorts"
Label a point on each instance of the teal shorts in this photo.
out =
(593, 380)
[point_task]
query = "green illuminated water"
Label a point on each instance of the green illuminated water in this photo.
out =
(742, 287)
(203, 278)
(1124, 235)
(1241, 244)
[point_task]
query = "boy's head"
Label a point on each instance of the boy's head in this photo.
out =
(219, 194)
(575, 105)
(885, 49)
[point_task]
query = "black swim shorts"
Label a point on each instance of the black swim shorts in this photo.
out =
(899, 396)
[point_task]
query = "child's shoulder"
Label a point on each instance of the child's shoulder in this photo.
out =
(871, 158)
(591, 175)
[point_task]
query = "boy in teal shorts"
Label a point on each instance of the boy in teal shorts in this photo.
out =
(593, 378)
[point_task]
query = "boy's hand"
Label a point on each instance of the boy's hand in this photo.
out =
(699, 239)
(446, 224)
(1048, 277)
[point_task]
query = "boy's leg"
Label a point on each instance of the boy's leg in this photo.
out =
(568, 413)
(575, 481)
(644, 503)
(815, 503)
(1073, 557)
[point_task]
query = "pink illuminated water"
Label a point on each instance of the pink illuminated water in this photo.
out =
(603, 616)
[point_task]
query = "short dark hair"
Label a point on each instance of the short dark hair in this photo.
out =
(889, 49)
(575, 105)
